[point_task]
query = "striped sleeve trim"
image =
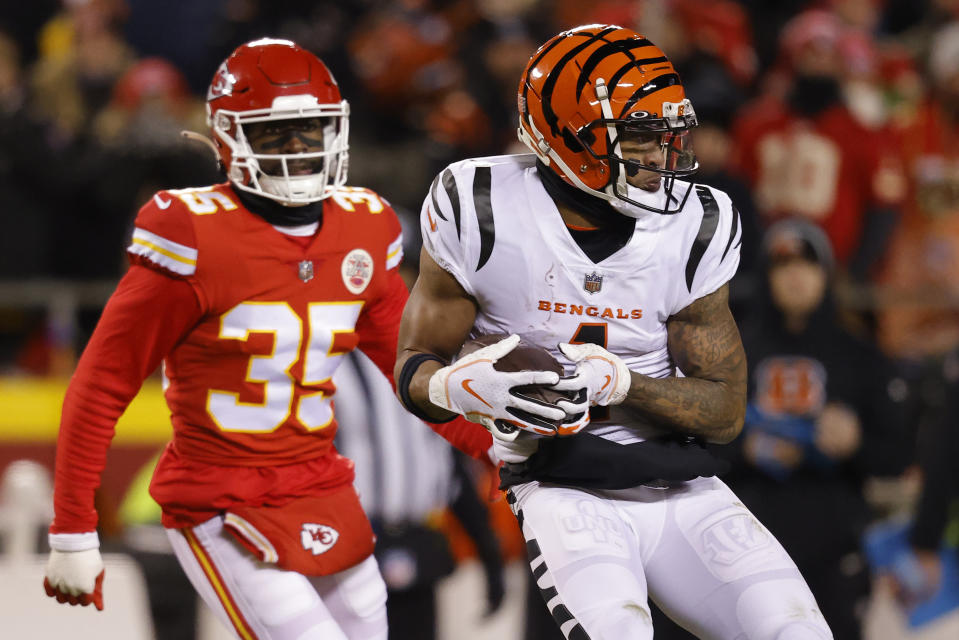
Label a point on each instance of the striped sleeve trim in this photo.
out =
(452, 192)
(482, 183)
(170, 255)
(394, 253)
(436, 203)
(733, 232)
(707, 229)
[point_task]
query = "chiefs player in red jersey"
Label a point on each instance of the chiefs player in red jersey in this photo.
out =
(249, 292)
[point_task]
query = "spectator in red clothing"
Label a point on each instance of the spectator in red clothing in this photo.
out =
(807, 155)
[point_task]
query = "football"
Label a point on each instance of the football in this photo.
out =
(525, 357)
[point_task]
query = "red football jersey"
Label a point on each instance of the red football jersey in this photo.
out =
(250, 323)
(251, 382)
(828, 169)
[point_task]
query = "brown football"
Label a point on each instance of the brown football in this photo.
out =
(525, 357)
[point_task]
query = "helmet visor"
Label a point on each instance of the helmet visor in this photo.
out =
(662, 145)
(647, 153)
(670, 153)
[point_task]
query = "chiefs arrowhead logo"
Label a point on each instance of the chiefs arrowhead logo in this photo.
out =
(222, 84)
(318, 538)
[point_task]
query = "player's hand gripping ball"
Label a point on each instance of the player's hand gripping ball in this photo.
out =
(526, 358)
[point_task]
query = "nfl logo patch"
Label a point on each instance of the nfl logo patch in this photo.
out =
(305, 270)
(593, 282)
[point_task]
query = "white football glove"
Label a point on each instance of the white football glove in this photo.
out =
(515, 451)
(74, 571)
(605, 376)
(473, 388)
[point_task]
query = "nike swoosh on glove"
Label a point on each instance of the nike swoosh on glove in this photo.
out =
(74, 575)
(604, 375)
(473, 388)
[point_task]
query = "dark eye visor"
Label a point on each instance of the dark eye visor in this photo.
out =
(670, 133)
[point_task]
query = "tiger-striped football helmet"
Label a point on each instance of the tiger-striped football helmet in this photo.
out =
(591, 91)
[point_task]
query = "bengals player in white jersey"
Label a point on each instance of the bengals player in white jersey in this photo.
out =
(249, 292)
(595, 248)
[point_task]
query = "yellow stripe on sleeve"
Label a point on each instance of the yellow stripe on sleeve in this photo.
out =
(164, 252)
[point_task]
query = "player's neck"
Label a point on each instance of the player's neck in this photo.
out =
(279, 215)
(576, 219)
(577, 208)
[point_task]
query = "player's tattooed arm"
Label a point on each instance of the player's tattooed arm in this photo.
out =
(710, 402)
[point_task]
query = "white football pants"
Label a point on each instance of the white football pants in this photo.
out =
(693, 548)
(259, 601)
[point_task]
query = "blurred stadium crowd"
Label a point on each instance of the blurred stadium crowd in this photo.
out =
(844, 113)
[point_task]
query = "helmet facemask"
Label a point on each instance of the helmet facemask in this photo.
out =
(275, 175)
(664, 140)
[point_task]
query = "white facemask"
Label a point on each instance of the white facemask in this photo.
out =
(656, 199)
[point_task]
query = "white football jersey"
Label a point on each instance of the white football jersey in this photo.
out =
(490, 223)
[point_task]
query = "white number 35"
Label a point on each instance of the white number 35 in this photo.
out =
(314, 411)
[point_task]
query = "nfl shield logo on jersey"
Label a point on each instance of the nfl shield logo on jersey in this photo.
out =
(593, 282)
(305, 270)
(318, 538)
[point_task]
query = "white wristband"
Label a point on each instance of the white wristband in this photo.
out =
(74, 541)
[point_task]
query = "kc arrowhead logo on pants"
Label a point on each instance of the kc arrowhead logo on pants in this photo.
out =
(318, 538)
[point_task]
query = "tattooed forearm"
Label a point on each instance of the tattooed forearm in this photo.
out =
(710, 401)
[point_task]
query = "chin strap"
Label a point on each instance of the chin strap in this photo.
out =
(617, 182)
